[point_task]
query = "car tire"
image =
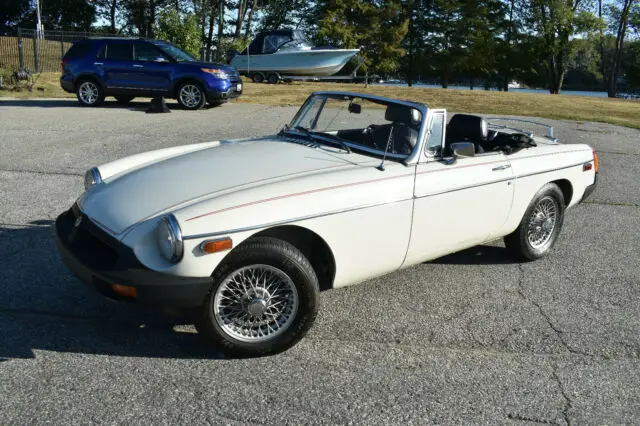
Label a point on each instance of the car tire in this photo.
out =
(257, 77)
(124, 99)
(89, 92)
(191, 96)
(273, 78)
(229, 308)
(540, 226)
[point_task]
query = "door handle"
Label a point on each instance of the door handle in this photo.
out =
(98, 63)
(505, 167)
(138, 66)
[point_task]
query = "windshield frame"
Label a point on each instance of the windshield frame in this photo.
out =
(169, 49)
(376, 153)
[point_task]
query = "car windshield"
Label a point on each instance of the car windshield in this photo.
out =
(175, 52)
(369, 126)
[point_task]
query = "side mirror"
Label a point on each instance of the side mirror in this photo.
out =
(355, 108)
(463, 149)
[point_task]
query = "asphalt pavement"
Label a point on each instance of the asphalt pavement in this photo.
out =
(469, 338)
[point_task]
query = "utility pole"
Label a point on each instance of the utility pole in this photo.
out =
(39, 28)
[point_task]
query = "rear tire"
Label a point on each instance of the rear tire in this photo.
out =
(273, 78)
(264, 299)
(123, 99)
(191, 96)
(257, 77)
(89, 92)
(540, 226)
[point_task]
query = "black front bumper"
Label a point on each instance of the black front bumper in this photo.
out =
(217, 96)
(100, 260)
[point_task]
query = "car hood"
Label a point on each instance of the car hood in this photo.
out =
(210, 65)
(124, 200)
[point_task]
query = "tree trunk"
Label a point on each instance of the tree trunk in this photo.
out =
(220, 30)
(242, 12)
(247, 30)
(612, 88)
(212, 19)
(112, 15)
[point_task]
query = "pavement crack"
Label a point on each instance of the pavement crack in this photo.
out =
(611, 203)
(519, 417)
(40, 172)
(567, 400)
(559, 333)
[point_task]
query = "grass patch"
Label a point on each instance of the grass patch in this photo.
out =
(49, 53)
(559, 107)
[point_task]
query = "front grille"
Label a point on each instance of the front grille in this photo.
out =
(92, 246)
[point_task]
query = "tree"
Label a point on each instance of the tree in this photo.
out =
(620, 13)
(556, 22)
(77, 15)
(108, 10)
(378, 27)
(180, 29)
(12, 12)
(141, 15)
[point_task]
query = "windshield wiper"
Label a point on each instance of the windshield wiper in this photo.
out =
(338, 140)
(315, 137)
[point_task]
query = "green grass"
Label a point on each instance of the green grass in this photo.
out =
(49, 53)
(559, 107)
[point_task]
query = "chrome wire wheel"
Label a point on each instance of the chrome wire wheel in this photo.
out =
(190, 95)
(542, 222)
(256, 303)
(88, 92)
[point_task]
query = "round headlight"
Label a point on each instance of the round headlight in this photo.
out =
(169, 238)
(92, 177)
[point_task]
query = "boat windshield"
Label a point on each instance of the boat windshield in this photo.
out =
(368, 126)
(295, 45)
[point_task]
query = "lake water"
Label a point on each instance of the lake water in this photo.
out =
(541, 91)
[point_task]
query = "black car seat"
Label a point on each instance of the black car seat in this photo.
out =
(467, 128)
(405, 122)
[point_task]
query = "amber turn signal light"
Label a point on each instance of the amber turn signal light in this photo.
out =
(595, 161)
(215, 246)
(124, 290)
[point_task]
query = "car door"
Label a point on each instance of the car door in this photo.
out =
(118, 65)
(152, 69)
(459, 204)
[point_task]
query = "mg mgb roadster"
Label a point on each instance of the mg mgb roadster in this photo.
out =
(245, 233)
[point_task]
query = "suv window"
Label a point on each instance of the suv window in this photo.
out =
(77, 51)
(120, 51)
(147, 52)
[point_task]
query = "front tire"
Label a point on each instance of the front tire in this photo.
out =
(264, 299)
(191, 96)
(89, 93)
(540, 226)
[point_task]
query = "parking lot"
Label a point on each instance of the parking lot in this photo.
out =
(468, 338)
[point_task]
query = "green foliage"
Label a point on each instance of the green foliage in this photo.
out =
(378, 27)
(181, 30)
(631, 64)
(12, 12)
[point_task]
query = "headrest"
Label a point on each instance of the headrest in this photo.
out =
(466, 126)
(402, 114)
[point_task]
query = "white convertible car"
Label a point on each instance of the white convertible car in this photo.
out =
(246, 232)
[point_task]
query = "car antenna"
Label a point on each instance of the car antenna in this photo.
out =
(384, 157)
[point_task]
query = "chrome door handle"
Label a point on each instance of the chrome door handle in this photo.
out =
(505, 167)
(138, 66)
(98, 63)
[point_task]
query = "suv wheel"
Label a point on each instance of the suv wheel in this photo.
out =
(191, 96)
(89, 93)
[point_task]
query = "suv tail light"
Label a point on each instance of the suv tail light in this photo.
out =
(595, 160)
(63, 63)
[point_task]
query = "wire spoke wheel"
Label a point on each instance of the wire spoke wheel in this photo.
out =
(256, 303)
(88, 92)
(542, 222)
(190, 95)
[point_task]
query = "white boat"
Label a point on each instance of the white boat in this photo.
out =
(514, 85)
(287, 52)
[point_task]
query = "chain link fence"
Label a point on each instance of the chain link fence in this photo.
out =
(27, 49)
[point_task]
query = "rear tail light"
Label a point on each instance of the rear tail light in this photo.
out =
(595, 160)
(62, 64)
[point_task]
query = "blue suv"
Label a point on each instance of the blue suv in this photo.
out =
(126, 68)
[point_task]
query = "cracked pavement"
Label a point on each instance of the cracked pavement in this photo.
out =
(468, 338)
